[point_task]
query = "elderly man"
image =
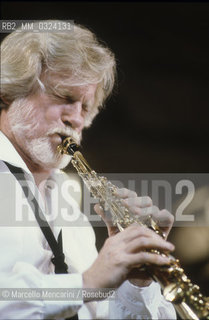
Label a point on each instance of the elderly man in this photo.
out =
(52, 85)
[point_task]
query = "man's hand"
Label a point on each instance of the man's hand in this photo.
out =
(142, 207)
(122, 253)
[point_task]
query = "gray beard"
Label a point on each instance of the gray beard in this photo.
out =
(21, 117)
(41, 152)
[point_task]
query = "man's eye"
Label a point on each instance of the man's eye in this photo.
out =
(85, 107)
(69, 99)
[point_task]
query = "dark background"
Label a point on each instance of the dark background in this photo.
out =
(157, 118)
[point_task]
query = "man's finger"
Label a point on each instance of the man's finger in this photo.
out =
(125, 193)
(141, 202)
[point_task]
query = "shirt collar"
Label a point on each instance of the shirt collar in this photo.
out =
(9, 153)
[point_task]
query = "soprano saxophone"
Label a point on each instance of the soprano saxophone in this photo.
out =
(176, 287)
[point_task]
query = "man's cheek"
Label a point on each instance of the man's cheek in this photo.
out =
(52, 114)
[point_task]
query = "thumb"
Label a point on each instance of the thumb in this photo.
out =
(106, 217)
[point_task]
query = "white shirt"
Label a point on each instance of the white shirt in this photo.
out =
(25, 257)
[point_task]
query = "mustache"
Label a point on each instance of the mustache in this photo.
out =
(65, 132)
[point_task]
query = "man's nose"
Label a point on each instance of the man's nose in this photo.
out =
(72, 116)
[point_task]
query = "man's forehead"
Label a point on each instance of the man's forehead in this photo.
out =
(69, 86)
(87, 89)
(64, 80)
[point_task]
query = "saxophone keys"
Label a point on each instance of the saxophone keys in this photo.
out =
(196, 287)
(194, 298)
(201, 302)
(173, 293)
(179, 271)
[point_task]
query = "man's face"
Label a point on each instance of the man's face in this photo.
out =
(39, 121)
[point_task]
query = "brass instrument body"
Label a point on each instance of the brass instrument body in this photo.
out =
(176, 287)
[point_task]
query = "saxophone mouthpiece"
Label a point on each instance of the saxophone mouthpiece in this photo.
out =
(68, 146)
(63, 137)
